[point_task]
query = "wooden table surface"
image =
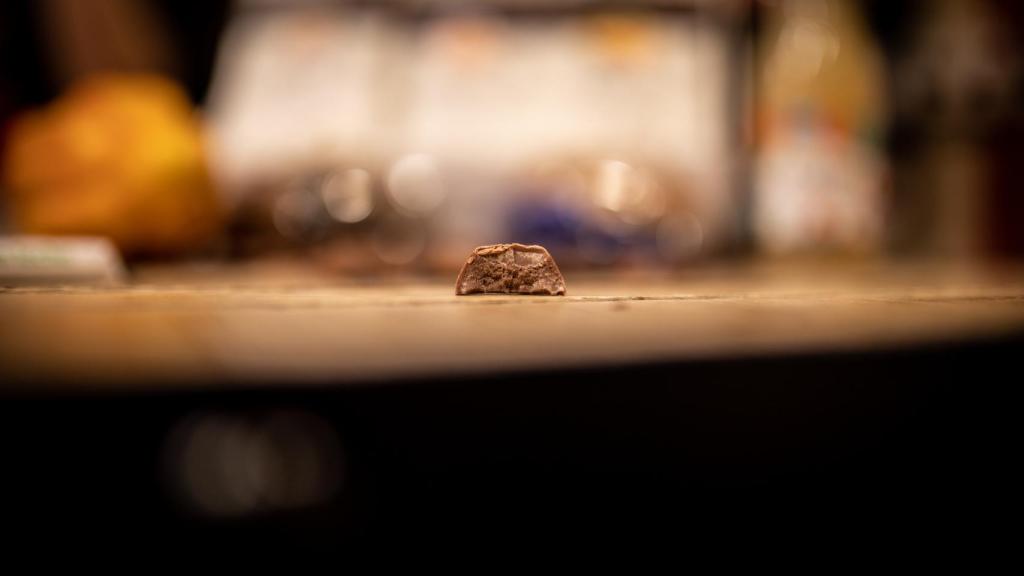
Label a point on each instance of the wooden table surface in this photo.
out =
(246, 325)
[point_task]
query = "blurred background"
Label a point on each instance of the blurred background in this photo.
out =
(381, 141)
(370, 137)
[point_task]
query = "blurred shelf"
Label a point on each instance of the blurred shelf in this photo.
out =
(248, 326)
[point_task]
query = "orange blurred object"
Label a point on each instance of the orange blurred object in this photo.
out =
(118, 156)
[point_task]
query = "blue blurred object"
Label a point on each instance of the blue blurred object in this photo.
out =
(549, 223)
(574, 235)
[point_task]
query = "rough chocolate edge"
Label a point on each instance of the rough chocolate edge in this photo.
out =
(496, 248)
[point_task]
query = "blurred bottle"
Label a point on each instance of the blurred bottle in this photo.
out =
(819, 176)
(956, 138)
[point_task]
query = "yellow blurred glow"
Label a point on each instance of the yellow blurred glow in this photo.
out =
(628, 192)
(414, 183)
(118, 156)
(348, 195)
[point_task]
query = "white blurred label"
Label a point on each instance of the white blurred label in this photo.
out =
(53, 260)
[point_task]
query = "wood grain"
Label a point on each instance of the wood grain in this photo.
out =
(229, 327)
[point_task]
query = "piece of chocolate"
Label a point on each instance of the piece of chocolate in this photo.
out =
(510, 269)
